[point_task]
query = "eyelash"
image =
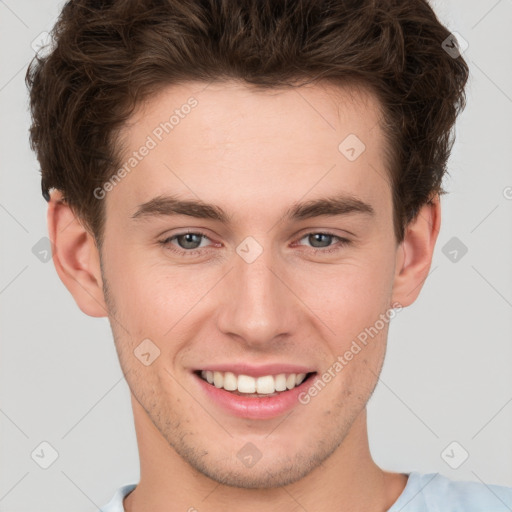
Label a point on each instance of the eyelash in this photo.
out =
(342, 242)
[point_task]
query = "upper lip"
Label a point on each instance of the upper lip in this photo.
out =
(257, 371)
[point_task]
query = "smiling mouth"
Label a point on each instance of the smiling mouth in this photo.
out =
(257, 387)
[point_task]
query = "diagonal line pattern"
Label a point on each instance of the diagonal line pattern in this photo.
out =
(205, 87)
(485, 425)
(490, 490)
(14, 14)
(13, 76)
(421, 284)
(296, 90)
(292, 496)
(486, 14)
(109, 314)
(211, 492)
(306, 193)
(67, 225)
(13, 279)
(279, 424)
(196, 400)
(14, 423)
(419, 491)
(493, 287)
(14, 218)
(80, 420)
(492, 81)
(165, 165)
(384, 178)
(5, 495)
(408, 407)
(205, 294)
(88, 497)
(492, 211)
(309, 309)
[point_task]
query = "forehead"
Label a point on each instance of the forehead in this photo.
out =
(231, 144)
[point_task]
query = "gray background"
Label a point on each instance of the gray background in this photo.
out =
(447, 376)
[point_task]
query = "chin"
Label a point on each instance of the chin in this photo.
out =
(270, 471)
(264, 477)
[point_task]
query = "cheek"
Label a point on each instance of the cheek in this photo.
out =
(350, 296)
(152, 295)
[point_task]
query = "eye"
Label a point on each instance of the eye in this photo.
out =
(189, 240)
(185, 243)
(191, 243)
(322, 242)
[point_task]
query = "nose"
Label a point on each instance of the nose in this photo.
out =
(257, 304)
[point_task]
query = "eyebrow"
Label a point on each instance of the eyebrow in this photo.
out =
(343, 204)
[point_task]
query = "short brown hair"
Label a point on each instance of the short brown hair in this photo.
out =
(109, 55)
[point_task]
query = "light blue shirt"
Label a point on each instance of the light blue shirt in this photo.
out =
(430, 492)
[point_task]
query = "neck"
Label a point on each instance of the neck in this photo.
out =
(349, 480)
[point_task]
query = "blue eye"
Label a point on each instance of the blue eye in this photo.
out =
(189, 243)
(189, 240)
(325, 239)
(320, 238)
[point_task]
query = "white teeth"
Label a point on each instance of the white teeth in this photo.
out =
(280, 382)
(265, 385)
(230, 381)
(290, 381)
(246, 384)
(218, 379)
(300, 378)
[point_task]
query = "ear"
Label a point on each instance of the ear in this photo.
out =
(76, 257)
(414, 254)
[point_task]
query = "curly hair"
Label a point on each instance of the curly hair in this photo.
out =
(109, 55)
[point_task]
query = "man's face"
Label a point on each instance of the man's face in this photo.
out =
(259, 287)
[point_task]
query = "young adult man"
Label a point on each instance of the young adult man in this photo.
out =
(244, 189)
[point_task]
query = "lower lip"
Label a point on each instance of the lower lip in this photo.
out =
(255, 408)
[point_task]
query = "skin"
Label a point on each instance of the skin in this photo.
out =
(254, 154)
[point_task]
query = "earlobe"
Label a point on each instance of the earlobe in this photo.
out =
(76, 257)
(414, 255)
